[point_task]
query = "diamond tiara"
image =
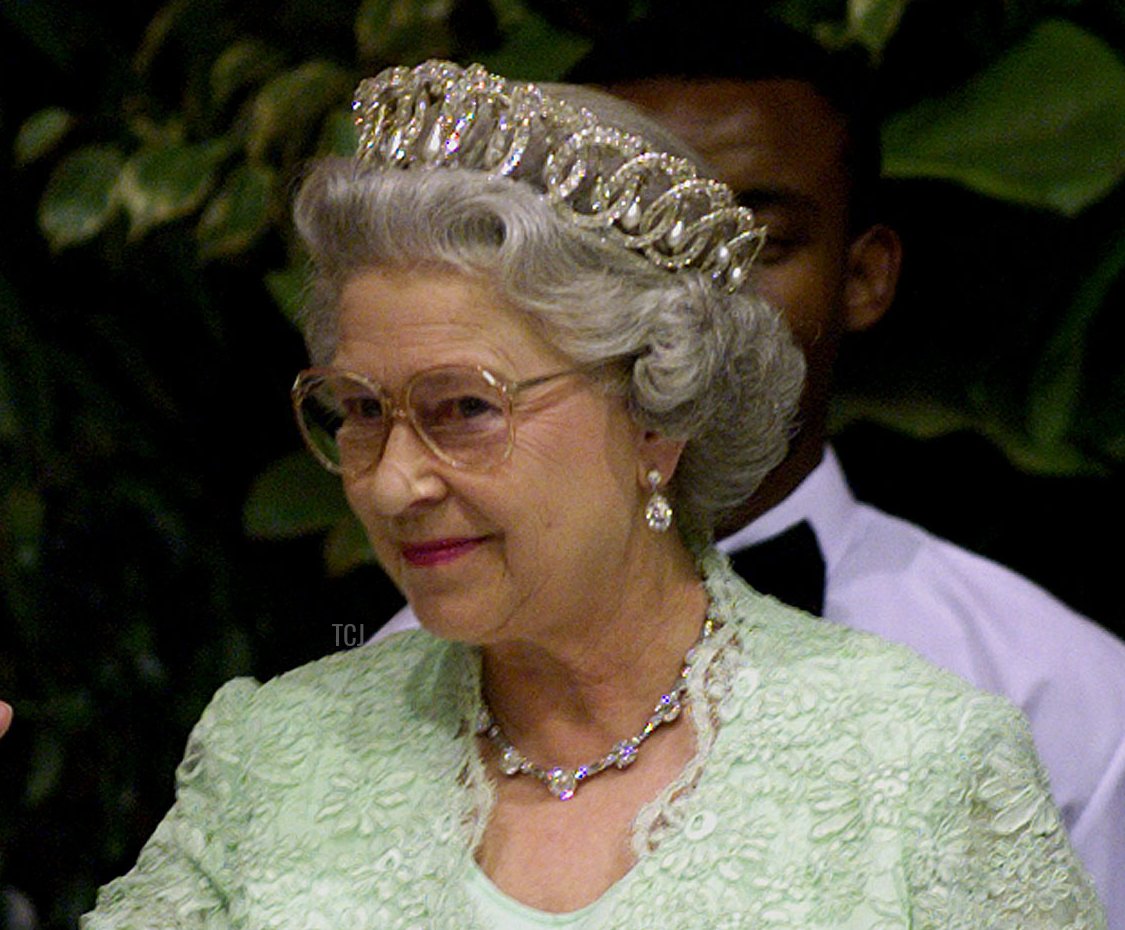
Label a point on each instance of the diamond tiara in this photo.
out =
(597, 177)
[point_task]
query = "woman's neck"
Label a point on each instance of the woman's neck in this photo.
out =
(566, 699)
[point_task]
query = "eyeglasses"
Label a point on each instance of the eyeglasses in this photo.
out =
(463, 415)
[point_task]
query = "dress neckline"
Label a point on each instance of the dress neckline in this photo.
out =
(665, 813)
(507, 913)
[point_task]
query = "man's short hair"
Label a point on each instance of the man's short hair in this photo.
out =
(747, 46)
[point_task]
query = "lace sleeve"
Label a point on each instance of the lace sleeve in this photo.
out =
(181, 879)
(992, 850)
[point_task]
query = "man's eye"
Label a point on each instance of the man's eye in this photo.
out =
(777, 250)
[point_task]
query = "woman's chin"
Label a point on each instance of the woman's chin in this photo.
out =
(445, 618)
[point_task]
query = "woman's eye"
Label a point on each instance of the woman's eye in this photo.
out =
(459, 413)
(469, 406)
(362, 409)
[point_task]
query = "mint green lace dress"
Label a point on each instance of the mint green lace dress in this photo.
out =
(839, 782)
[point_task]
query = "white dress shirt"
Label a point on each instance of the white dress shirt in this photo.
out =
(992, 627)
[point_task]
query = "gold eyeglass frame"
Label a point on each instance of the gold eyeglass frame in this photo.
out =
(399, 408)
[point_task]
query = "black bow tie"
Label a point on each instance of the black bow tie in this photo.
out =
(789, 566)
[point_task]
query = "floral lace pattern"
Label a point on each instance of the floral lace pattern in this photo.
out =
(839, 782)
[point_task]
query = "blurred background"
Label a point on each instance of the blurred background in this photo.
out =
(160, 531)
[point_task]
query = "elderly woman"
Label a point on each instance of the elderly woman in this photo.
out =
(542, 379)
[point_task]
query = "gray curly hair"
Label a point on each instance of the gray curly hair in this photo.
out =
(715, 369)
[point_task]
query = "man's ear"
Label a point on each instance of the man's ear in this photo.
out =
(874, 260)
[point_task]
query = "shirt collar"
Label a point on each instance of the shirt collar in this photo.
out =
(823, 499)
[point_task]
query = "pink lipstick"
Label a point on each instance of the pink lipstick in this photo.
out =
(438, 551)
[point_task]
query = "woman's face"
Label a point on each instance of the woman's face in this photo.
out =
(534, 543)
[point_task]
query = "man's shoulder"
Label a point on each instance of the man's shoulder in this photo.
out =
(989, 625)
(891, 577)
(928, 576)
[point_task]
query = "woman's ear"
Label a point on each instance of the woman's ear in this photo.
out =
(658, 452)
(874, 260)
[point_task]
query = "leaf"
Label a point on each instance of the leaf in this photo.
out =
(1058, 381)
(402, 30)
(869, 23)
(21, 529)
(347, 547)
(9, 424)
(292, 103)
(872, 23)
(1103, 420)
(44, 770)
(169, 181)
(338, 136)
(536, 51)
(1043, 126)
(36, 27)
(80, 196)
(240, 66)
(157, 32)
(1114, 447)
(509, 12)
(23, 513)
(293, 497)
(238, 214)
(287, 288)
(922, 419)
(927, 419)
(40, 133)
(9, 420)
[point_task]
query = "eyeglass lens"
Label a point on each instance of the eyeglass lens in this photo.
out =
(457, 413)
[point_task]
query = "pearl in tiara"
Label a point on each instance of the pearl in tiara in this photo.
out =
(599, 178)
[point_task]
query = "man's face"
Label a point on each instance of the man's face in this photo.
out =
(781, 147)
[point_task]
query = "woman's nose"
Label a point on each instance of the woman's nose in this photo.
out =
(406, 474)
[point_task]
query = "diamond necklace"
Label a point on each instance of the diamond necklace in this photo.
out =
(563, 782)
